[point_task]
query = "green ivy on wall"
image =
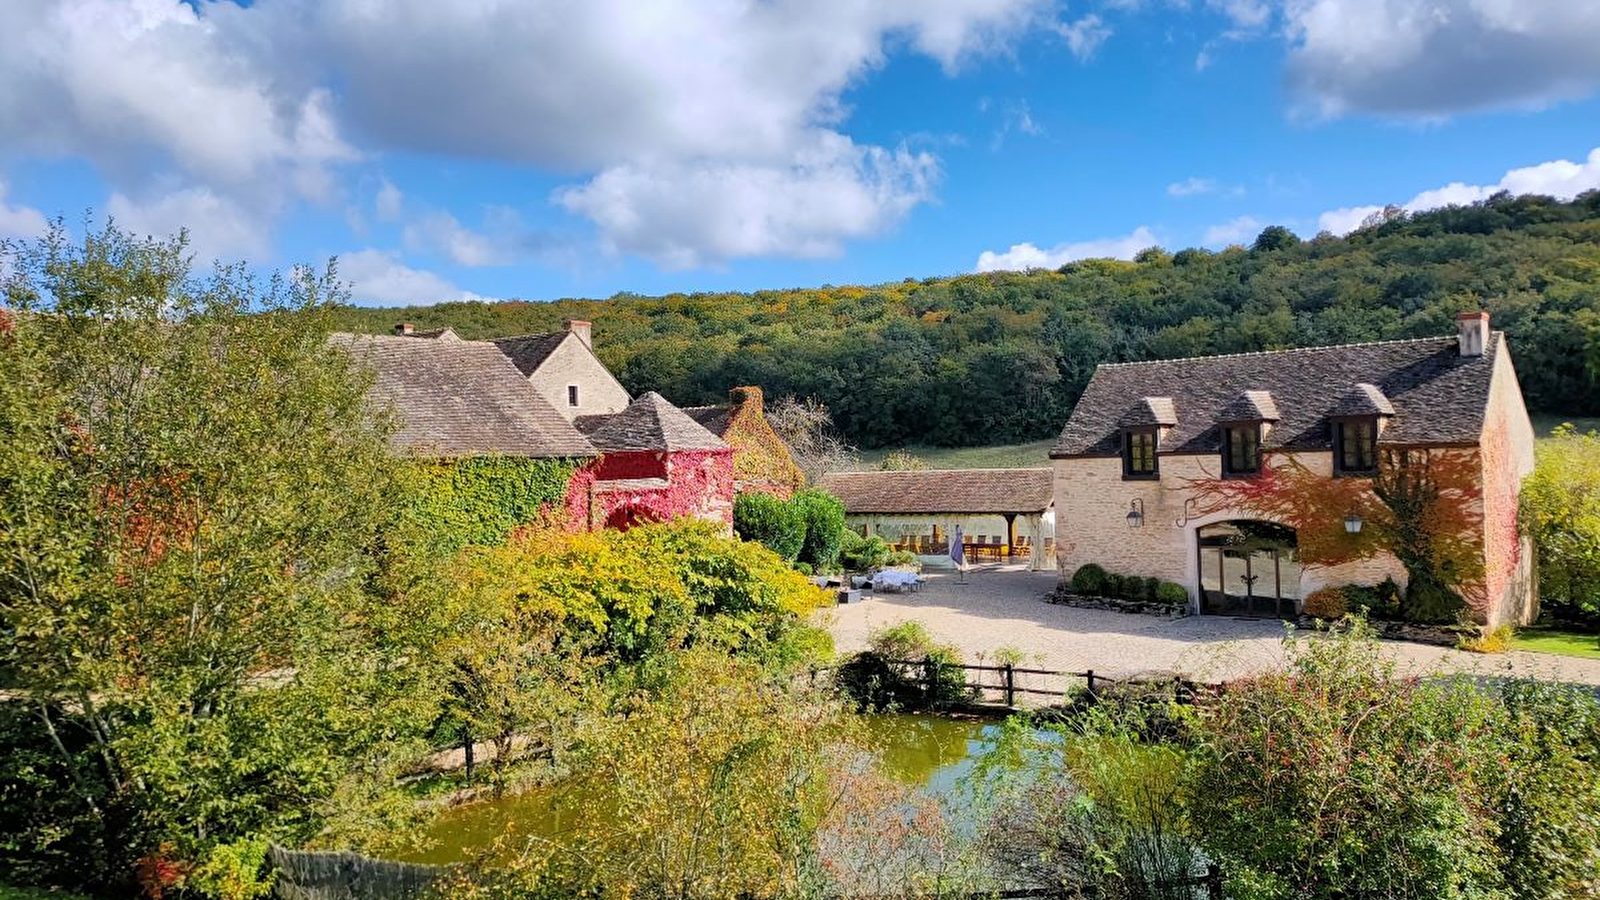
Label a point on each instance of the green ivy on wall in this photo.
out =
(482, 499)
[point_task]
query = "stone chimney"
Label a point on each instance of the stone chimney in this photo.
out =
(404, 329)
(747, 395)
(1472, 332)
(584, 331)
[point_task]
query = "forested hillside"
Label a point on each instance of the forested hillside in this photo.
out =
(1001, 357)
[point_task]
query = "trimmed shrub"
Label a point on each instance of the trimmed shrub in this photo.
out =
(763, 518)
(1114, 585)
(1151, 589)
(823, 515)
(1326, 603)
(1171, 593)
(1090, 579)
(1496, 641)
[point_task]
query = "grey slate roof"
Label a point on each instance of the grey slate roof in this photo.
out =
(1149, 411)
(529, 351)
(714, 419)
(1363, 400)
(461, 398)
(648, 423)
(1437, 395)
(1250, 406)
(923, 491)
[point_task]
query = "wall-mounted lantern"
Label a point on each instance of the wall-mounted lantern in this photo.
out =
(1352, 523)
(1136, 513)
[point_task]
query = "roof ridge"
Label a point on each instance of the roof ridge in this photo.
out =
(1286, 350)
(523, 337)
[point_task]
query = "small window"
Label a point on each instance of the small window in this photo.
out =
(1139, 453)
(1355, 445)
(572, 395)
(1241, 453)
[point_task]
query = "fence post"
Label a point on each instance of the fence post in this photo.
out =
(1089, 676)
(1214, 882)
(930, 680)
(1011, 685)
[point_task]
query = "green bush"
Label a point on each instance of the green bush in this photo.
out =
(1115, 585)
(860, 554)
(891, 672)
(777, 525)
(823, 515)
(1430, 602)
(903, 558)
(1089, 580)
(1171, 593)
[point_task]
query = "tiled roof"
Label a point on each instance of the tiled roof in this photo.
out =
(919, 491)
(714, 419)
(1149, 411)
(649, 423)
(461, 398)
(1363, 400)
(529, 351)
(1437, 395)
(1250, 406)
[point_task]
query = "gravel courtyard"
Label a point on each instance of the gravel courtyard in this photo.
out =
(1006, 607)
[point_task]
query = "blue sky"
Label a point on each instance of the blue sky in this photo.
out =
(586, 147)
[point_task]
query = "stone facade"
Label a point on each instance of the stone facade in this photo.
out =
(1506, 451)
(571, 364)
(1092, 506)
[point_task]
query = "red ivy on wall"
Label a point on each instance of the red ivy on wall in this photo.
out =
(696, 484)
(1422, 505)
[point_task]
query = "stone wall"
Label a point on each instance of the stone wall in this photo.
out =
(1506, 449)
(573, 363)
(1092, 505)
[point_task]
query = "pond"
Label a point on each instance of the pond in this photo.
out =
(928, 752)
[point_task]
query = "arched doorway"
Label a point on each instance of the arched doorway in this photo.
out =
(1248, 568)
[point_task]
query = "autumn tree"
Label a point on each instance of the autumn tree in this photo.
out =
(192, 492)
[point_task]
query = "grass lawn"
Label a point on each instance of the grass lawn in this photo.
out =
(1550, 640)
(1544, 423)
(1034, 455)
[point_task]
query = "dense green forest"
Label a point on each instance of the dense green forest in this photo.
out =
(1002, 357)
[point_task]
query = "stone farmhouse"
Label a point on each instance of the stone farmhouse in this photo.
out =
(1247, 478)
(548, 396)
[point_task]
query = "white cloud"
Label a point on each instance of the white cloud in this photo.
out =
(1190, 187)
(685, 215)
(1243, 14)
(219, 227)
(386, 205)
(1346, 219)
(1235, 231)
(1433, 58)
(1084, 36)
(1027, 256)
(1560, 178)
(19, 221)
(381, 278)
(239, 100)
(441, 232)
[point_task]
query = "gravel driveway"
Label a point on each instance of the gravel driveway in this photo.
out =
(1007, 608)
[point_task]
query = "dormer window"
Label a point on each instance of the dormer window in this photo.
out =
(572, 395)
(1139, 453)
(1355, 445)
(1241, 448)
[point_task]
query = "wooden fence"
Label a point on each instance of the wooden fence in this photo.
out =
(1006, 687)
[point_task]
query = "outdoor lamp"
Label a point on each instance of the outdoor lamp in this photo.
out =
(1136, 514)
(1352, 523)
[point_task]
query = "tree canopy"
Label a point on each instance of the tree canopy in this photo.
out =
(1002, 356)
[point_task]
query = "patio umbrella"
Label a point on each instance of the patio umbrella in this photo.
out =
(958, 555)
